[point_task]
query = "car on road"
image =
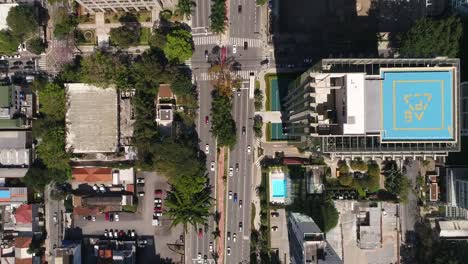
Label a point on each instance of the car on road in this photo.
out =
(246, 45)
(199, 256)
(116, 217)
(237, 167)
(207, 149)
(274, 214)
(212, 167)
(200, 233)
(274, 228)
(228, 235)
(107, 216)
(234, 237)
(158, 192)
(229, 251)
(206, 55)
(141, 194)
(239, 8)
(238, 92)
(207, 120)
(234, 49)
(55, 217)
(140, 180)
(157, 200)
(240, 226)
(230, 195)
(243, 130)
(231, 171)
(248, 149)
(240, 203)
(211, 246)
(235, 197)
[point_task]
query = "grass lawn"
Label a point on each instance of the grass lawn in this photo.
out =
(145, 35)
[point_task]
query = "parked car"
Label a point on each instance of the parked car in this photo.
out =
(141, 194)
(107, 216)
(211, 246)
(228, 235)
(207, 149)
(228, 251)
(274, 228)
(140, 180)
(106, 233)
(274, 214)
(248, 149)
(234, 49)
(158, 192)
(157, 200)
(246, 45)
(212, 167)
(207, 120)
(240, 203)
(239, 9)
(111, 233)
(116, 217)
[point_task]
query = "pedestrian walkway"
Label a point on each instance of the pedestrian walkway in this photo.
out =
(42, 62)
(254, 43)
(244, 75)
(206, 40)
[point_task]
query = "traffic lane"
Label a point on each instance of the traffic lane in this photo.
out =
(201, 13)
(243, 22)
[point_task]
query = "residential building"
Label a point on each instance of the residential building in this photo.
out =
(93, 6)
(307, 241)
(369, 108)
(369, 227)
(92, 175)
(13, 196)
(454, 229)
(23, 219)
(112, 251)
(68, 253)
(456, 179)
(91, 119)
(165, 106)
(15, 153)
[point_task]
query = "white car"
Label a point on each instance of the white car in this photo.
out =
(116, 217)
(229, 251)
(17, 56)
(234, 237)
(211, 246)
(93, 218)
(248, 149)
(116, 233)
(212, 168)
(231, 171)
(230, 195)
(207, 149)
(234, 49)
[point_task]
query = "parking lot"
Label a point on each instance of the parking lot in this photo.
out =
(279, 233)
(141, 222)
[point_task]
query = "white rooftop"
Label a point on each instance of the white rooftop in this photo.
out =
(91, 118)
(4, 9)
(453, 229)
(354, 104)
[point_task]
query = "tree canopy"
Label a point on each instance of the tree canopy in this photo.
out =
(36, 45)
(430, 38)
(184, 7)
(8, 42)
(22, 20)
(218, 16)
(52, 101)
(223, 125)
(125, 36)
(65, 25)
(395, 182)
(179, 45)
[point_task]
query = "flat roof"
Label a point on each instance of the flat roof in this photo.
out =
(417, 104)
(454, 228)
(354, 104)
(91, 118)
(4, 9)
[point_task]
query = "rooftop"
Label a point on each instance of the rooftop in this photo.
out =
(369, 221)
(92, 175)
(5, 90)
(23, 214)
(453, 229)
(305, 223)
(165, 91)
(23, 242)
(91, 119)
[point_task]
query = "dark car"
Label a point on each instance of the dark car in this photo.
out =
(18, 63)
(239, 8)
(30, 62)
(235, 197)
(207, 120)
(246, 45)
(243, 130)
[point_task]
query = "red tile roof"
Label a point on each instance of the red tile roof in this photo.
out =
(22, 242)
(23, 261)
(294, 161)
(130, 188)
(434, 192)
(84, 211)
(92, 174)
(23, 214)
(165, 91)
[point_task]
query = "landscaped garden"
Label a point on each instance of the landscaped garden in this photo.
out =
(145, 35)
(86, 37)
(142, 16)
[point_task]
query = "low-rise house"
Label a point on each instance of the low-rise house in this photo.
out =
(369, 229)
(454, 229)
(14, 196)
(68, 253)
(23, 219)
(165, 104)
(15, 153)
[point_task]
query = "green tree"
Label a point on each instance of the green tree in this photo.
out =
(53, 101)
(258, 125)
(330, 216)
(65, 25)
(125, 36)
(430, 38)
(396, 183)
(218, 16)
(184, 7)
(51, 150)
(22, 20)
(359, 165)
(183, 209)
(8, 42)
(101, 69)
(258, 99)
(345, 179)
(157, 39)
(179, 45)
(261, 2)
(36, 45)
(223, 125)
(343, 168)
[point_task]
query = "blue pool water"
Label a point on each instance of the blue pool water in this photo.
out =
(278, 187)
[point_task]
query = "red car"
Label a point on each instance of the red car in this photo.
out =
(106, 215)
(158, 209)
(207, 120)
(200, 232)
(158, 192)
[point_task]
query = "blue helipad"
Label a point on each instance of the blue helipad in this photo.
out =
(417, 105)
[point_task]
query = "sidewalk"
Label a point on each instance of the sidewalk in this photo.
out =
(220, 196)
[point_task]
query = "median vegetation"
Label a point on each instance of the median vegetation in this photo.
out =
(218, 16)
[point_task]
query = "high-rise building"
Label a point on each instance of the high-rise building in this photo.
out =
(121, 5)
(371, 108)
(456, 179)
(307, 242)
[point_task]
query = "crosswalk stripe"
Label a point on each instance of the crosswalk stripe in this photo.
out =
(244, 75)
(205, 40)
(240, 42)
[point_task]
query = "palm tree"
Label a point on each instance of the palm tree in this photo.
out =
(184, 7)
(187, 209)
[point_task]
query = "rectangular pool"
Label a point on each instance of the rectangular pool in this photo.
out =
(278, 188)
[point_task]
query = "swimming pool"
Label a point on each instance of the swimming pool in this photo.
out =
(278, 188)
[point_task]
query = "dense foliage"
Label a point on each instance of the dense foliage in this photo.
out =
(368, 179)
(184, 7)
(432, 38)
(258, 99)
(35, 45)
(218, 16)
(125, 36)
(396, 182)
(8, 42)
(65, 23)
(223, 125)
(22, 20)
(179, 45)
(257, 126)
